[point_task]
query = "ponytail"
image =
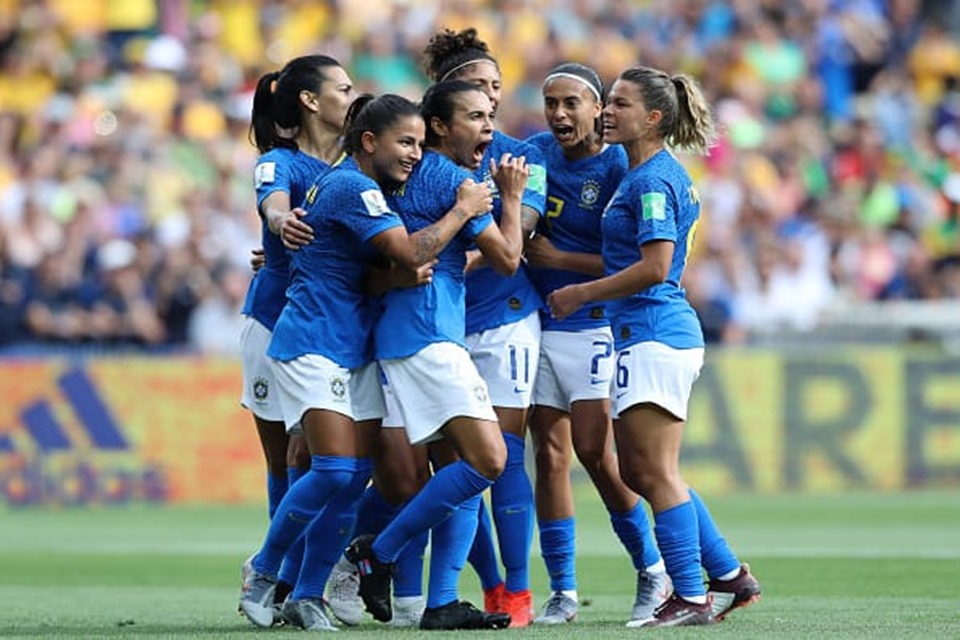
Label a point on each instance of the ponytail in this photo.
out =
(276, 100)
(695, 130)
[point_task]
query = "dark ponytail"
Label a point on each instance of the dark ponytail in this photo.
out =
(276, 100)
(373, 114)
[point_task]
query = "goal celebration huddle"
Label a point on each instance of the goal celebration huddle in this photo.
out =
(431, 290)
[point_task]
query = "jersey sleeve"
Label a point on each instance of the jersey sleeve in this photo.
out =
(363, 209)
(272, 174)
(477, 225)
(656, 210)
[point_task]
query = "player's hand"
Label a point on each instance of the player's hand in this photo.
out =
(405, 278)
(258, 259)
(510, 175)
(294, 232)
(566, 300)
(474, 198)
(540, 252)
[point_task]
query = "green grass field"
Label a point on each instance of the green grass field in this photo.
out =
(835, 566)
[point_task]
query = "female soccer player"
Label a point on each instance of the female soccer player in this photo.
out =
(648, 230)
(503, 336)
(571, 395)
(296, 123)
(420, 344)
(321, 341)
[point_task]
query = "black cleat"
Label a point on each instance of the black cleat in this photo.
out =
(374, 578)
(462, 615)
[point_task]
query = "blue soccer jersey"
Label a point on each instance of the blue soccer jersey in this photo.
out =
(325, 313)
(494, 300)
(655, 201)
(292, 172)
(416, 317)
(577, 192)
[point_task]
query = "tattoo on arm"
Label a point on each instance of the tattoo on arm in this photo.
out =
(427, 244)
(460, 214)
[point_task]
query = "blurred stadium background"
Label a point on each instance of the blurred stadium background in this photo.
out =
(827, 278)
(826, 274)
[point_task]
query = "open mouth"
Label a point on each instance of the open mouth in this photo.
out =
(563, 132)
(480, 150)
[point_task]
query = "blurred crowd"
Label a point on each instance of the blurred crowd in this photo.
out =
(127, 212)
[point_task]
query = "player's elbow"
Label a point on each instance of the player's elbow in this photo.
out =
(505, 262)
(660, 274)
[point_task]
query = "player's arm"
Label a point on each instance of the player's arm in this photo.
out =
(380, 279)
(652, 269)
(412, 251)
(542, 253)
(284, 221)
(502, 246)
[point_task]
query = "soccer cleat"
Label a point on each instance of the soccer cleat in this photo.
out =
(677, 612)
(407, 611)
(256, 598)
(343, 593)
(462, 615)
(519, 604)
(559, 609)
(740, 591)
(307, 614)
(245, 570)
(653, 589)
(493, 598)
(374, 578)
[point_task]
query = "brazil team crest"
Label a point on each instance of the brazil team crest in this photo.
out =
(338, 387)
(589, 194)
(261, 389)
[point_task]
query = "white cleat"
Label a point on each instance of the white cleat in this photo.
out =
(343, 593)
(407, 611)
(559, 609)
(256, 598)
(307, 614)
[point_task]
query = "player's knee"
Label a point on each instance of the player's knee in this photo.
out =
(641, 478)
(552, 459)
(491, 461)
(590, 451)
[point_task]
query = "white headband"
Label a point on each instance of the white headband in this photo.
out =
(573, 76)
(465, 64)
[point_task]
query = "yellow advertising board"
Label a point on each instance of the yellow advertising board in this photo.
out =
(123, 430)
(171, 429)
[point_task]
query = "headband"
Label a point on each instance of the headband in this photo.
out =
(466, 64)
(573, 76)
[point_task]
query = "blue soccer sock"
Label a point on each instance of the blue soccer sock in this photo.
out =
(633, 529)
(375, 513)
(558, 548)
(408, 569)
(483, 555)
(451, 544)
(304, 500)
(717, 557)
(290, 567)
(328, 535)
(676, 530)
(276, 489)
(445, 491)
(511, 497)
